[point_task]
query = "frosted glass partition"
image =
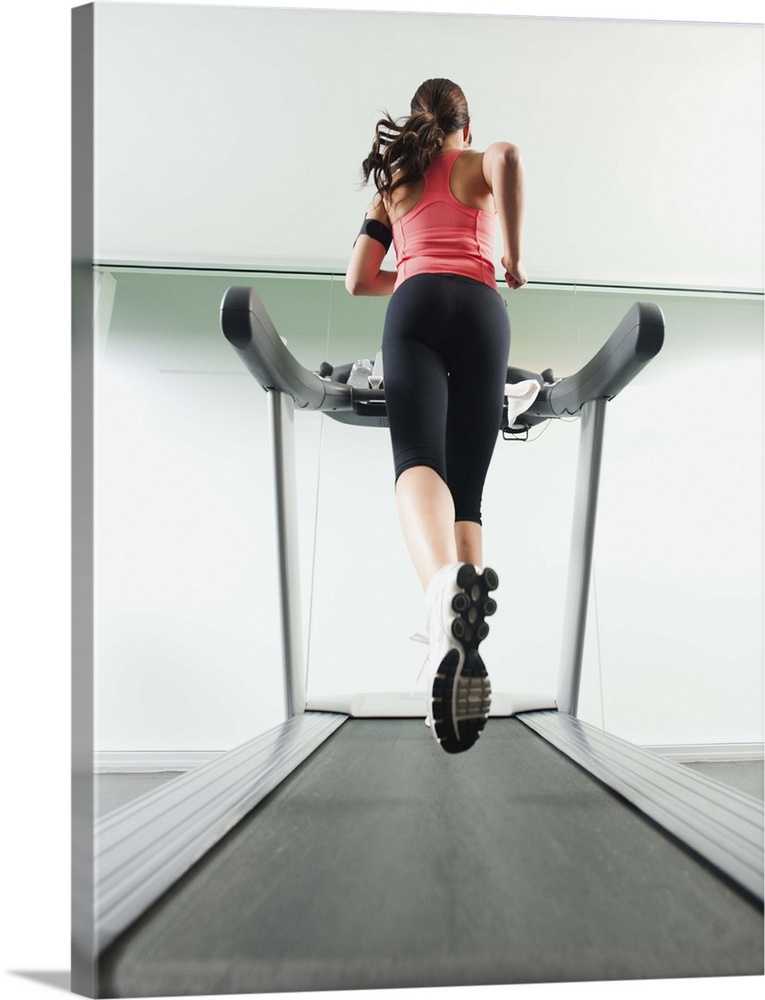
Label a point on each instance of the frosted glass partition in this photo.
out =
(188, 653)
(188, 650)
(678, 574)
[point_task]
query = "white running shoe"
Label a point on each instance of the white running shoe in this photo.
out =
(457, 603)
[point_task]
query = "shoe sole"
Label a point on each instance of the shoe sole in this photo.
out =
(461, 692)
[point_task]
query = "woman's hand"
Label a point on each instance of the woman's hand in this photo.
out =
(515, 273)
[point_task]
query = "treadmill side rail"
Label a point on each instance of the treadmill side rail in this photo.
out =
(147, 845)
(723, 826)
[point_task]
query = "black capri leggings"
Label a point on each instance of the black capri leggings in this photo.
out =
(445, 349)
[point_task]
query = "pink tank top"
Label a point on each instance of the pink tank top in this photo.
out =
(441, 235)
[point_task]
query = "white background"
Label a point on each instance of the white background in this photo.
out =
(641, 141)
(35, 406)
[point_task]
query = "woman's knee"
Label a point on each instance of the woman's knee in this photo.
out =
(415, 469)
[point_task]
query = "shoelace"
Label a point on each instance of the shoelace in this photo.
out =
(419, 637)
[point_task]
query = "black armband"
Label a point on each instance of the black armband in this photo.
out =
(377, 230)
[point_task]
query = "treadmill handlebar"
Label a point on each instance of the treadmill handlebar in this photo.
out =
(248, 328)
(636, 340)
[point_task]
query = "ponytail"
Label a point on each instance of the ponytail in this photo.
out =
(406, 147)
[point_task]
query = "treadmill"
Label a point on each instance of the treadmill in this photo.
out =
(344, 850)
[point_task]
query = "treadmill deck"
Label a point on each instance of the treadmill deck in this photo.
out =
(383, 862)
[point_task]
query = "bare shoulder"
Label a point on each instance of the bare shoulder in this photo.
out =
(501, 152)
(501, 159)
(468, 183)
(468, 163)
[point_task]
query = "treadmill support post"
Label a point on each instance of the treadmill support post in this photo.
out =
(282, 418)
(580, 559)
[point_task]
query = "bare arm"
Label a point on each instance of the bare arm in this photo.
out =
(503, 172)
(364, 276)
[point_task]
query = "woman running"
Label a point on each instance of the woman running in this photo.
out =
(445, 350)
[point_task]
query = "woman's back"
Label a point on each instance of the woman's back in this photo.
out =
(466, 182)
(444, 222)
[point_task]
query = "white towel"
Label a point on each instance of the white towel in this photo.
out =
(376, 379)
(519, 397)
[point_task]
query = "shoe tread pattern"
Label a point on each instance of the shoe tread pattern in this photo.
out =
(462, 696)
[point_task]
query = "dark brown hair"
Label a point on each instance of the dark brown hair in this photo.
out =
(407, 146)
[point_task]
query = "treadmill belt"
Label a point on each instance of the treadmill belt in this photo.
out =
(382, 862)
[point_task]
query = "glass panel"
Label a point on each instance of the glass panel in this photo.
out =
(678, 550)
(188, 653)
(188, 649)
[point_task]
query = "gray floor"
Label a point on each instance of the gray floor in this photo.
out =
(384, 863)
(116, 790)
(745, 776)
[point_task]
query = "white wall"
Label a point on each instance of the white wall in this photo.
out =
(234, 135)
